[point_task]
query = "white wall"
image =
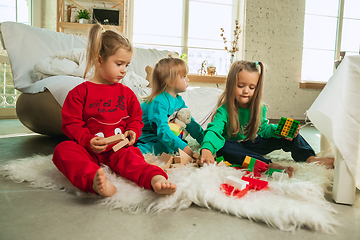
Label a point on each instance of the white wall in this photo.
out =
(274, 36)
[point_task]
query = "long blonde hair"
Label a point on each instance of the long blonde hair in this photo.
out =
(104, 44)
(228, 98)
(164, 75)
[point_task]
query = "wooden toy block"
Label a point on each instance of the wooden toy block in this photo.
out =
(167, 159)
(177, 159)
(192, 164)
(114, 139)
(149, 158)
(177, 165)
(185, 157)
(120, 145)
(196, 155)
(236, 182)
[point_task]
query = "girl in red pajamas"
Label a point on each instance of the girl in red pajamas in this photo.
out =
(100, 108)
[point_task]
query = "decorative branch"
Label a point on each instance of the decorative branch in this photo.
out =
(233, 44)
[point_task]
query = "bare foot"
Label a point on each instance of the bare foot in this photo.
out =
(102, 186)
(162, 186)
(327, 162)
(289, 170)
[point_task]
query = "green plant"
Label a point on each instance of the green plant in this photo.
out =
(83, 13)
(184, 57)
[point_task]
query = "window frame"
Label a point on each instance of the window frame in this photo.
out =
(237, 13)
(34, 20)
(307, 84)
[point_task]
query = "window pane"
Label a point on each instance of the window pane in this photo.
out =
(317, 65)
(320, 32)
(22, 11)
(154, 22)
(204, 28)
(7, 10)
(214, 1)
(217, 58)
(323, 7)
(352, 9)
(350, 39)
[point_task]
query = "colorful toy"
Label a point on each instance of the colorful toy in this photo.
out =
(271, 171)
(176, 129)
(255, 184)
(178, 122)
(239, 187)
(254, 165)
(287, 128)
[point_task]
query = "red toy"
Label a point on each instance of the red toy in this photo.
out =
(254, 165)
(254, 184)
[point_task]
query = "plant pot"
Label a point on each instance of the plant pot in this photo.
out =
(83, 20)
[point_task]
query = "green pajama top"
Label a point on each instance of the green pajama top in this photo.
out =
(216, 132)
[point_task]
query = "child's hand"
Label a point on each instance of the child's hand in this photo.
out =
(131, 135)
(98, 144)
(206, 156)
(295, 135)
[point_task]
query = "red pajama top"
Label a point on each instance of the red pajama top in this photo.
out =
(98, 109)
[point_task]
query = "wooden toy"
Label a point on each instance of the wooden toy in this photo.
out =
(120, 145)
(114, 139)
(167, 159)
(185, 157)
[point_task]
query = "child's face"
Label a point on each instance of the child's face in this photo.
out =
(182, 82)
(115, 67)
(245, 87)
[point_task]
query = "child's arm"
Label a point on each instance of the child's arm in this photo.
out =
(158, 119)
(213, 139)
(194, 128)
(72, 118)
(134, 123)
(266, 130)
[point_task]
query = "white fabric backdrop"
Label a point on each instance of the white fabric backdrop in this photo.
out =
(336, 113)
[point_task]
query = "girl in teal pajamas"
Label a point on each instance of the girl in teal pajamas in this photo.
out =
(169, 78)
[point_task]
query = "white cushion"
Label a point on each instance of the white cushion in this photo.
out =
(26, 45)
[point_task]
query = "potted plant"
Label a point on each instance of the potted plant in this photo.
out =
(83, 16)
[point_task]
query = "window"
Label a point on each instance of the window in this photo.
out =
(187, 26)
(331, 27)
(16, 11)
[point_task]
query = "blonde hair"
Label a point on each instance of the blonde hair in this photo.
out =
(228, 98)
(104, 44)
(164, 75)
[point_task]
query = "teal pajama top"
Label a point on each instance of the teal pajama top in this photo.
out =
(156, 135)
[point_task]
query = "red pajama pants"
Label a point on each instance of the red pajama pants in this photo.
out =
(80, 166)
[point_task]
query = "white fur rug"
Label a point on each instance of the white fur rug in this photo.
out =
(287, 205)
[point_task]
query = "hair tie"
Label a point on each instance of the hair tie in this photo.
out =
(103, 30)
(256, 63)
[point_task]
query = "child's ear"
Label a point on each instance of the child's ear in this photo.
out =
(99, 61)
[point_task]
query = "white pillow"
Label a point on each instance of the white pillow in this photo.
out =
(26, 45)
(144, 57)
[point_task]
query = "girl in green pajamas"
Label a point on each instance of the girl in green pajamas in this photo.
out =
(240, 128)
(169, 78)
